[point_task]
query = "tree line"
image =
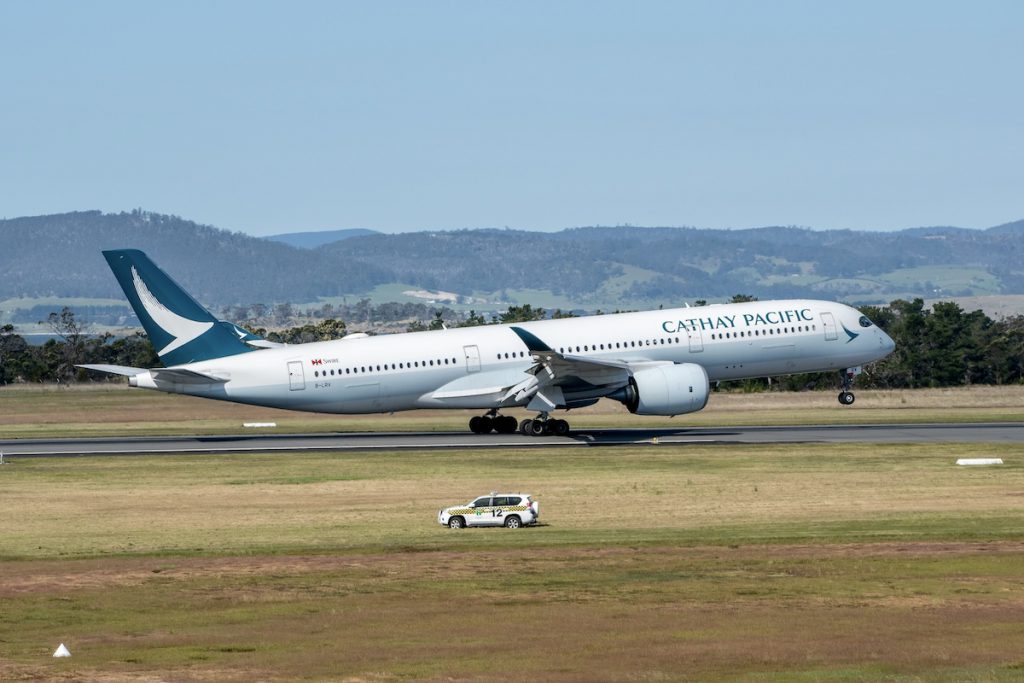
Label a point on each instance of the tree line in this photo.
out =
(943, 346)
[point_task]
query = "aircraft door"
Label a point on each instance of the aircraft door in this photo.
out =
(696, 340)
(828, 321)
(296, 380)
(472, 358)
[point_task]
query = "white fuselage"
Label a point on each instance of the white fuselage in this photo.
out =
(472, 367)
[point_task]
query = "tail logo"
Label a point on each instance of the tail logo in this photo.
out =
(182, 329)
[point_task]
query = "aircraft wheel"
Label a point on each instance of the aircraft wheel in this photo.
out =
(560, 427)
(506, 424)
(538, 428)
(480, 424)
(525, 426)
(846, 398)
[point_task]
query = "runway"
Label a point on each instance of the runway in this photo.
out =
(1003, 432)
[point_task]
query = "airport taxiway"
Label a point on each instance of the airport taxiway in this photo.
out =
(1001, 432)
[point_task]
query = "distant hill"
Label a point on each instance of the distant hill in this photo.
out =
(59, 256)
(312, 240)
(1014, 228)
(599, 267)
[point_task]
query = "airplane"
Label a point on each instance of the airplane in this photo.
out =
(655, 362)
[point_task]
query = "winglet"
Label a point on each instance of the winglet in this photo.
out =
(532, 341)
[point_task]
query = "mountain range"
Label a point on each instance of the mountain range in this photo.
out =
(58, 256)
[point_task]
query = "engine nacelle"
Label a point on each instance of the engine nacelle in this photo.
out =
(666, 390)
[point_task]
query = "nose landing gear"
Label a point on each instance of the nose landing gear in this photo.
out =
(846, 396)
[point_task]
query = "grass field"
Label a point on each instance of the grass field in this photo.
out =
(111, 410)
(653, 563)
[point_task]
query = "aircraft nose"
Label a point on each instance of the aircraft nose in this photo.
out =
(886, 342)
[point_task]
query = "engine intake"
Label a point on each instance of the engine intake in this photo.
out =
(666, 390)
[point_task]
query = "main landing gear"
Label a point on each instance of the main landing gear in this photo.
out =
(544, 426)
(846, 396)
(506, 424)
(485, 424)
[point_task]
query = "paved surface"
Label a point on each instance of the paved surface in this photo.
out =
(900, 433)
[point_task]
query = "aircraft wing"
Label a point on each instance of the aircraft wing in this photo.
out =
(175, 375)
(556, 374)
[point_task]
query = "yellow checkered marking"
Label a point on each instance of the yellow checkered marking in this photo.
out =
(473, 511)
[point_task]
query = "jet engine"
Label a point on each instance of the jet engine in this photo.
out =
(666, 390)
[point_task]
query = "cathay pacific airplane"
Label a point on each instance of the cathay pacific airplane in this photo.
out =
(655, 362)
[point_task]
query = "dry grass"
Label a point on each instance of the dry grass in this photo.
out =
(334, 502)
(105, 410)
(777, 563)
(886, 612)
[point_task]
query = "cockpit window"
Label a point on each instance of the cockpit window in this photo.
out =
(864, 322)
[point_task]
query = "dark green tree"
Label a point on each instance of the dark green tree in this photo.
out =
(522, 314)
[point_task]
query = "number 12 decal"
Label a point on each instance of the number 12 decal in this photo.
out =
(497, 513)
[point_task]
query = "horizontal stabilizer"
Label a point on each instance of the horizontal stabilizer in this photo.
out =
(115, 369)
(264, 344)
(182, 376)
(174, 375)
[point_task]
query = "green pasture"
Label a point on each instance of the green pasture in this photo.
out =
(951, 278)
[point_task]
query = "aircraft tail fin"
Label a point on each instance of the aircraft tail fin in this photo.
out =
(181, 330)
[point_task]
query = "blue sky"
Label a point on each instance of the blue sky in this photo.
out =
(279, 117)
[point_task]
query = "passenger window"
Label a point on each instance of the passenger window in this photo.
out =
(514, 500)
(500, 502)
(482, 502)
